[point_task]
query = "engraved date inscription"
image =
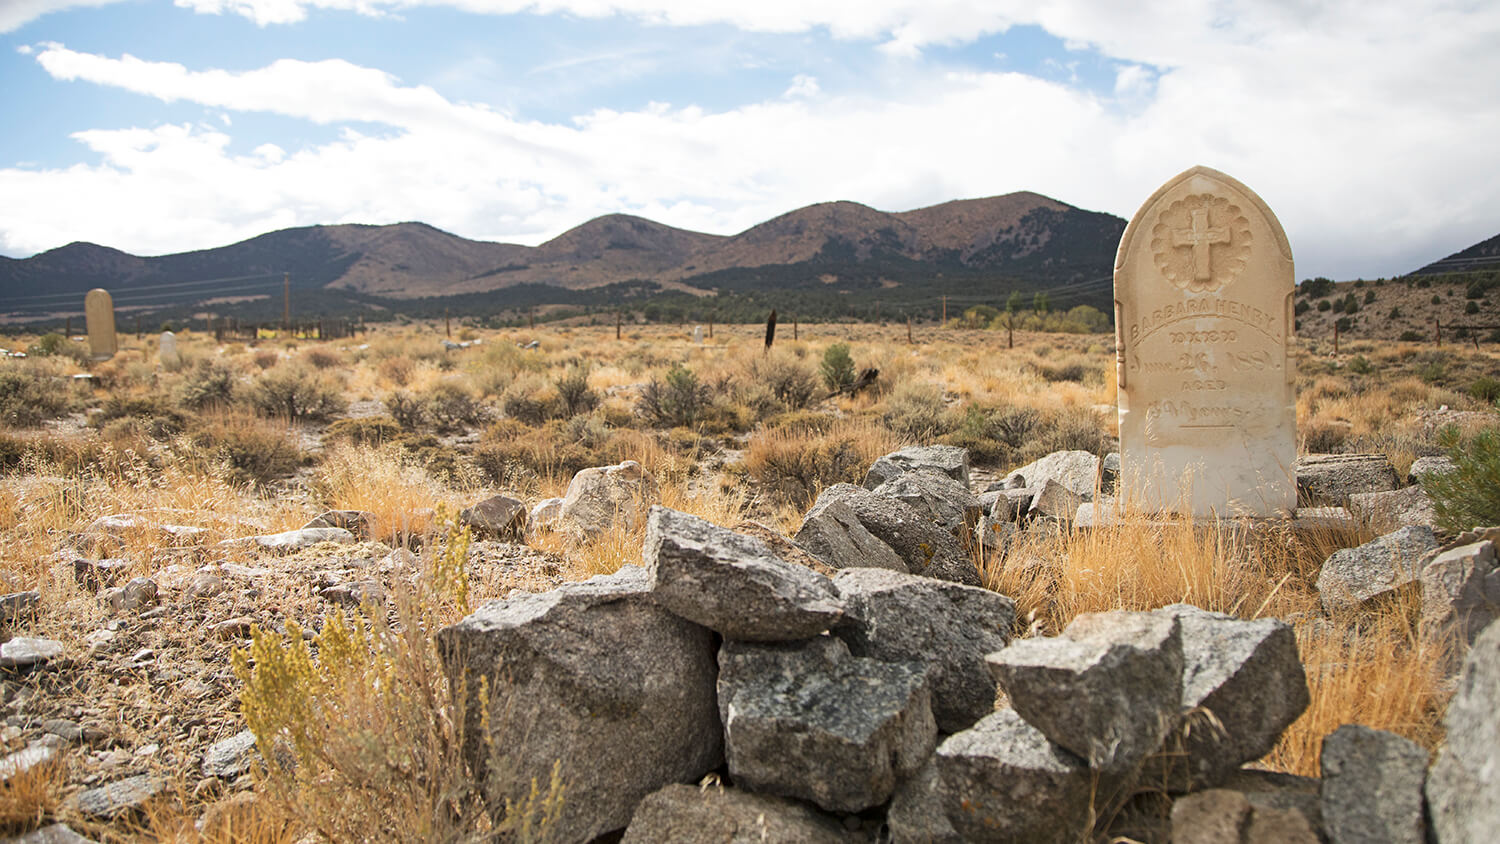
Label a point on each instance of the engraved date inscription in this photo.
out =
(1204, 336)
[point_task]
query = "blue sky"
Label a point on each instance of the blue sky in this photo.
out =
(155, 126)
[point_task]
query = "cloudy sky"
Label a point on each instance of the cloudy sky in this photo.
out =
(1371, 127)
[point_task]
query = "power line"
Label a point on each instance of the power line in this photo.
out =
(134, 290)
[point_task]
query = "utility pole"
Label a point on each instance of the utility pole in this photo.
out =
(619, 318)
(286, 302)
(908, 331)
(794, 328)
(531, 318)
(447, 326)
(945, 310)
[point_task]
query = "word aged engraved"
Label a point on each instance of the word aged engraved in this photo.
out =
(1184, 243)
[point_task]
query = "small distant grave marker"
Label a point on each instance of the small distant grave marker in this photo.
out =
(168, 349)
(1203, 322)
(698, 334)
(99, 315)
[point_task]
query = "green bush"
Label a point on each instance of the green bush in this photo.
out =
(31, 394)
(1470, 495)
(1344, 324)
(406, 409)
(1471, 307)
(574, 392)
(50, 345)
(251, 450)
(369, 430)
(450, 406)
(1486, 389)
(1360, 365)
(1395, 313)
(1369, 297)
(155, 416)
(1409, 336)
(1323, 305)
(211, 383)
(296, 392)
(678, 399)
(916, 411)
(837, 367)
(790, 383)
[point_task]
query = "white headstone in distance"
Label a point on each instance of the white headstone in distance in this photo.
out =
(99, 315)
(1203, 322)
(698, 334)
(168, 349)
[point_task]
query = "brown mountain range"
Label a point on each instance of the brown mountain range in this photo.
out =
(1025, 238)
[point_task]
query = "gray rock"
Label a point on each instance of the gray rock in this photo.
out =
(63, 728)
(1055, 501)
(1013, 504)
(357, 522)
(119, 798)
(994, 537)
(355, 594)
(1460, 594)
(1372, 787)
(949, 627)
(205, 584)
(1375, 571)
(949, 460)
(97, 574)
(809, 720)
(230, 757)
(1075, 471)
(1273, 790)
(596, 675)
(1425, 467)
(687, 814)
(1109, 473)
(924, 547)
(603, 497)
(24, 760)
(544, 515)
(54, 834)
(499, 517)
(1107, 689)
(1323, 520)
(832, 532)
(18, 605)
(1332, 478)
(1463, 787)
(1406, 507)
(733, 584)
(1222, 816)
(946, 502)
(1242, 686)
(1000, 780)
(135, 596)
(292, 540)
(24, 650)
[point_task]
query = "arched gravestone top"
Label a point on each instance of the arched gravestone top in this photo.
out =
(1203, 326)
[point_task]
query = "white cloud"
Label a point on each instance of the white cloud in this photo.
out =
(1365, 132)
(15, 14)
(803, 87)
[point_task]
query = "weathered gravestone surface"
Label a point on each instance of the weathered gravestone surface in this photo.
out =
(99, 314)
(169, 356)
(1203, 318)
(698, 334)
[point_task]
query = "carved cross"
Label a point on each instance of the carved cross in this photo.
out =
(1201, 238)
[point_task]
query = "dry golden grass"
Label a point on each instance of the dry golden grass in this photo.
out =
(383, 481)
(29, 797)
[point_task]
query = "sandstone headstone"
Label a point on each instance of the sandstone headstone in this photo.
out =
(99, 314)
(1203, 321)
(167, 349)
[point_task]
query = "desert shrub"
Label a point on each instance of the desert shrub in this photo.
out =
(439, 460)
(249, 450)
(406, 409)
(376, 725)
(369, 430)
(319, 357)
(1409, 336)
(1369, 297)
(295, 392)
(1319, 437)
(153, 415)
(31, 393)
(1436, 299)
(1394, 314)
(266, 358)
(916, 411)
(56, 345)
(511, 450)
(837, 367)
(1344, 324)
(1323, 305)
(1316, 288)
(780, 382)
(574, 393)
(1433, 370)
(210, 383)
(68, 455)
(532, 400)
(449, 406)
(1066, 429)
(1073, 370)
(679, 398)
(993, 434)
(1360, 365)
(1485, 389)
(1471, 307)
(398, 370)
(1470, 495)
(1302, 307)
(795, 465)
